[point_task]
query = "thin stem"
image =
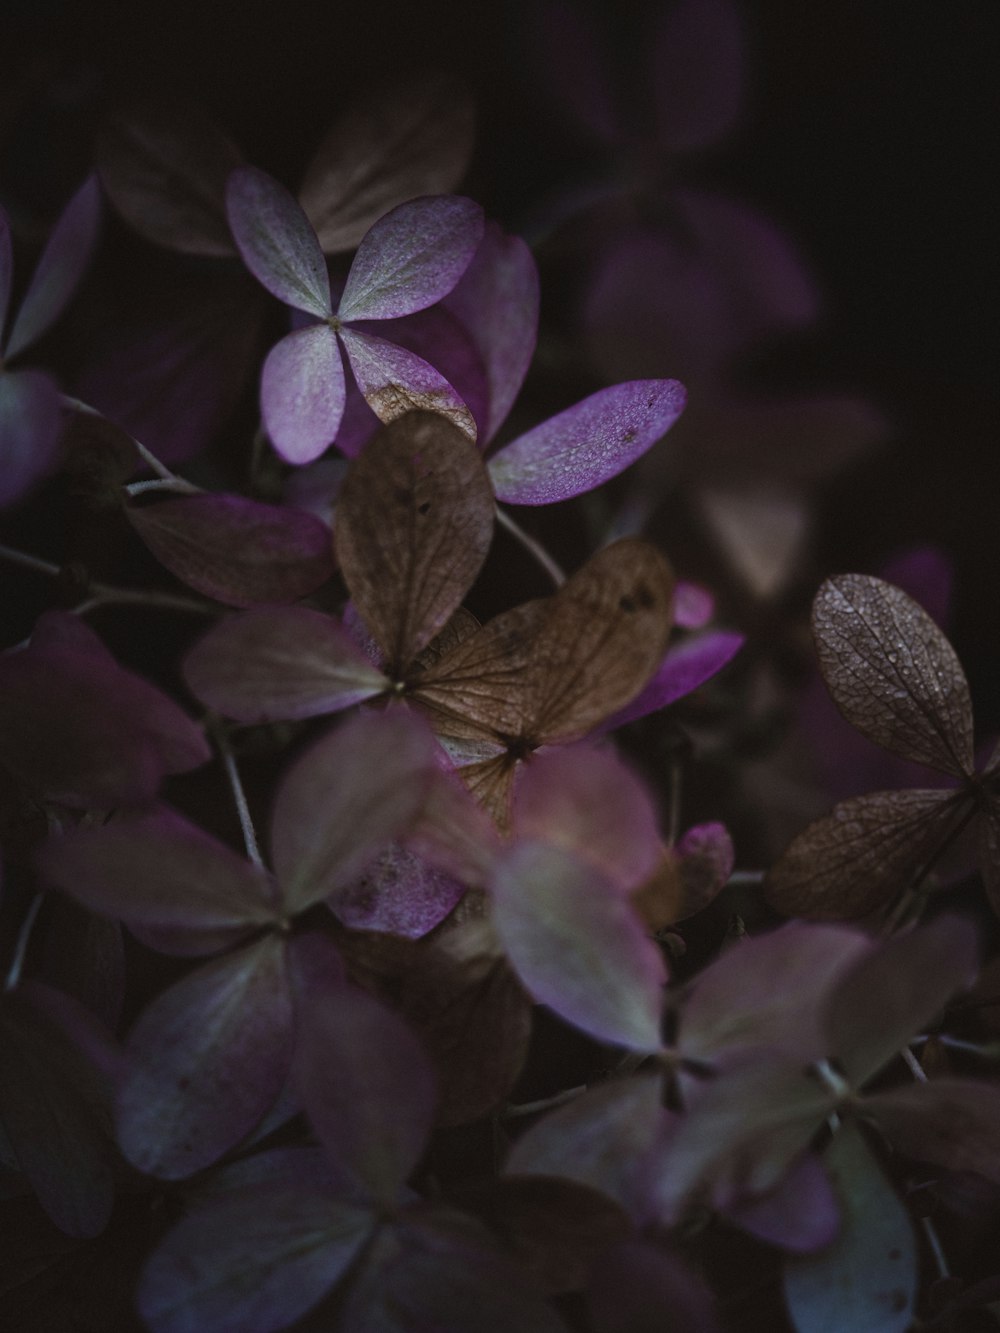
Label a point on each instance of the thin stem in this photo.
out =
(21, 947)
(741, 879)
(147, 456)
(532, 547)
(989, 1051)
(934, 1244)
(177, 484)
(240, 799)
(545, 1104)
(27, 561)
(105, 595)
(916, 1068)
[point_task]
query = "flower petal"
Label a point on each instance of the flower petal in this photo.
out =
(395, 381)
(30, 427)
(412, 257)
(60, 268)
(236, 550)
(302, 393)
(276, 241)
(164, 165)
(584, 446)
(686, 666)
(278, 664)
(577, 945)
(400, 140)
(345, 799)
(497, 300)
(205, 1061)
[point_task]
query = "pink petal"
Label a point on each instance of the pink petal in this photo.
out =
(741, 1000)
(302, 393)
(395, 381)
(587, 444)
(205, 1061)
(694, 605)
(81, 730)
(159, 873)
(412, 257)
(687, 665)
(368, 1089)
(282, 663)
(588, 803)
(399, 893)
(497, 300)
(601, 1139)
(277, 242)
(252, 1261)
(577, 945)
(30, 427)
(706, 863)
(699, 73)
(345, 799)
(800, 1214)
(237, 550)
(60, 269)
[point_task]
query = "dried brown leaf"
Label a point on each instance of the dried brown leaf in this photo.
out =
(411, 138)
(860, 855)
(413, 526)
(892, 673)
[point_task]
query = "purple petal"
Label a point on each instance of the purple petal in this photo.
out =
(641, 1287)
(277, 242)
(237, 550)
(6, 270)
(412, 257)
(170, 365)
(52, 1116)
(395, 381)
(907, 982)
(706, 863)
(345, 799)
(699, 73)
(800, 1214)
(577, 945)
(399, 893)
(82, 731)
(368, 1089)
(867, 1279)
(741, 1000)
(400, 139)
(252, 1261)
(601, 1139)
(694, 605)
(442, 340)
(497, 300)
(302, 393)
(587, 444)
(205, 1061)
(588, 803)
(63, 263)
(157, 872)
(30, 426)
(687, 665)
(55, 630)
(279, 664)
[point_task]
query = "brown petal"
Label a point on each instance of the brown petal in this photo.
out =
(861, 854)
(892, 673)
(413, 526)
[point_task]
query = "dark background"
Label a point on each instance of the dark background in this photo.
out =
(870, 132)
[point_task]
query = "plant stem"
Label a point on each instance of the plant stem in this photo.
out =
(21, 947)
(162, 484)
(239, 797)
(27, 561)
(545, 1104)
(147, 456)
(916, 1068)
(532, 547)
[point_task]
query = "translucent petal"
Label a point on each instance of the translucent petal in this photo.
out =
(302, 393)
(395, 381)
(276, 241)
